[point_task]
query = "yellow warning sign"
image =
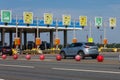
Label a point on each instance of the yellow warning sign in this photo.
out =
(90, 39)
(112, 22)
(28, 17)
(66, 20)
(48, 18)
(83, 20)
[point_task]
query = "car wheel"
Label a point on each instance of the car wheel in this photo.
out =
(63, 55)
(82, 55)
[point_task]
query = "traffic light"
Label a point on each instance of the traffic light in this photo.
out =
(5, 23)
(98, 27)
(48, 25)
(112, 27)
(28, 24)
(82, 27)
(66, 26)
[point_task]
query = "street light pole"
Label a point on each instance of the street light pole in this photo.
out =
(37, 28)
(16, 27)
(104, 33)
(56, 32)
(74, 35)
(37, 32)
(16, 31)
(90, 29)
(56, 28)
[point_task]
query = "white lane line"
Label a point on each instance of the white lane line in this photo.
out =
(2, 79)
(17, 66)
(84, 70)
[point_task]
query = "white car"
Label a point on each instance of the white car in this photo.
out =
(84, 49)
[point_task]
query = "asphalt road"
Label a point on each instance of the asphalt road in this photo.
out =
(68, 69)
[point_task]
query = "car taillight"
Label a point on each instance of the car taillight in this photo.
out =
(86, 47)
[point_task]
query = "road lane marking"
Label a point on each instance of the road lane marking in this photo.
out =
(2, 79)
(17, 66)
(84, 70)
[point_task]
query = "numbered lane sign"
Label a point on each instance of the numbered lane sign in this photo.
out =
(28, 17)
(83, 20)
(66, 20)
(112, 22)
(90, 39)
(48, 18)
(6, 16)
(98, 21)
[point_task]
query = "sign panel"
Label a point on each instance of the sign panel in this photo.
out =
(83, 20)
(98, 21)
(66, 20)
(48, 18)
(90, 39)
(6, 16)
(105, 41)
(112, 22)
(28, 17)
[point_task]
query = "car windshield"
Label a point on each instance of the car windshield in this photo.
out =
(90, 44)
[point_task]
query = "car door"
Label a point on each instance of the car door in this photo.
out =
(75, 49)
(70, 49)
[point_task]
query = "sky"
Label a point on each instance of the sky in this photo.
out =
(76, 8)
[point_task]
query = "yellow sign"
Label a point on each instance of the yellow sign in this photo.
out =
(28, 17)
(90, 39)
(48, 18)
(112, 22)
(66, 20)
(83, 20)
(105, 41)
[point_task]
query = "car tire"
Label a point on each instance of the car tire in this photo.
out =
(63, 55)
(82, 55)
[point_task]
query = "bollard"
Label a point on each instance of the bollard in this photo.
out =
(28, 56)
(15, 56)
(58, 57)
(42, 57)
(100, 58)
(119, 59)
(4, 56)
(77, 57)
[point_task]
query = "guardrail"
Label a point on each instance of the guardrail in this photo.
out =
(35, 51)
(109, 49)
(56, 51)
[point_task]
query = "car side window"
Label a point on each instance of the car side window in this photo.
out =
(72, 45)
(78, 44)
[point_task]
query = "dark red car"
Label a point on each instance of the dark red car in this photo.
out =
(6, 50)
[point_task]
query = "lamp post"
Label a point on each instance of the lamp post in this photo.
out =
(38, 40)
(105, 39)
(57, 40)
(90, 29)
(16, 31)
(74, 40)
(56, 32)
(16, 27)
(90, 39)
(74, 35)
(17, 39)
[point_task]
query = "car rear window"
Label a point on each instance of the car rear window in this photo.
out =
(90, 44)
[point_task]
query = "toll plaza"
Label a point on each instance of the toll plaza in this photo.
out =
(18, 24)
